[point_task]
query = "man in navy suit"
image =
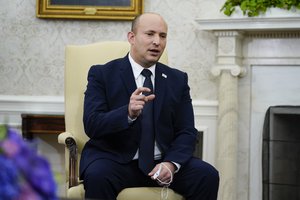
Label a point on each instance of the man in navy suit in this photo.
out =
(113, 120)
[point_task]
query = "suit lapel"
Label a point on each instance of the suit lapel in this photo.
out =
(160, 89)
(127, 75)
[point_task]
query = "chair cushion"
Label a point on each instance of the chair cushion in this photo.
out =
(76, 192)
(138, 193)
(148, 193)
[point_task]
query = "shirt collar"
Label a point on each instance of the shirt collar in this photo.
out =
(137, 69)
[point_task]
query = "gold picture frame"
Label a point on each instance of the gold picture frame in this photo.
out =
(89, 9)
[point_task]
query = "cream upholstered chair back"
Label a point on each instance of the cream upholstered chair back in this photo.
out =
(78, 60)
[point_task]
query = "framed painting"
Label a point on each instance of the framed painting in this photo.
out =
(89, 9)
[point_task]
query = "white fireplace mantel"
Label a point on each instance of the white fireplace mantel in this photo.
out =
(250, 24)
(274, 19)
(229, 67)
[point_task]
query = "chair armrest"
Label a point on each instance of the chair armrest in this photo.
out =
(63, 136)
(69, 141)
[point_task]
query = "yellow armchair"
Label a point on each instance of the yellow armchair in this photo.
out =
(78, 59)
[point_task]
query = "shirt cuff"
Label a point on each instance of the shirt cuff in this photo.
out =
(177, 167)
(130, 121)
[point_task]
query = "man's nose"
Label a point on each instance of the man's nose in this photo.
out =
(156, 40)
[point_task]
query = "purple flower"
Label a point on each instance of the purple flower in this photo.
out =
(8, 179)
(23, 173)
(27, 193)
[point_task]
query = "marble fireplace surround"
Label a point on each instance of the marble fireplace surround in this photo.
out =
(245, 44)
(281, 152)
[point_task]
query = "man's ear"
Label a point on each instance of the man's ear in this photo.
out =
(130, 37)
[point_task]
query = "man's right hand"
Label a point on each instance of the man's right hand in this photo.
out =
(137, 101)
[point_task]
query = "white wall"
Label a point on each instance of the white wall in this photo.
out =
(32, 49)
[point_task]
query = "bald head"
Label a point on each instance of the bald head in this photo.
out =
(137, 20)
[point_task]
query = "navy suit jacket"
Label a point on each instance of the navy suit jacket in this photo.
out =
(106, 114)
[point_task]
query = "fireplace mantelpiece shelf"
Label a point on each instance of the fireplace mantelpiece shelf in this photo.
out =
(250, 24)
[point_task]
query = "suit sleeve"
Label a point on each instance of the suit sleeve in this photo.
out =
(183, 144)
(99, 120)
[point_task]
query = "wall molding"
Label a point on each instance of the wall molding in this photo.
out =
(11, 108)
(205, 108)
(15, 105)
(206, 116)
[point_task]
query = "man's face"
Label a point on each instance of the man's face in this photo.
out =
(148, 40)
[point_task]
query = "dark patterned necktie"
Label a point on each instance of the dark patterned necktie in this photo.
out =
(146, 149)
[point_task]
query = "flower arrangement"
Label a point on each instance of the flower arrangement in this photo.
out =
(24, 175)
(253, 8)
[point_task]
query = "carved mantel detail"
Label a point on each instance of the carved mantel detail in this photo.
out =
(229, 56)
(235, 70)
(273, 34)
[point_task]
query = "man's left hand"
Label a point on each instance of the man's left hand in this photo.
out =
(166, 172)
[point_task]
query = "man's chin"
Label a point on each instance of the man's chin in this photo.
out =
(154, 58)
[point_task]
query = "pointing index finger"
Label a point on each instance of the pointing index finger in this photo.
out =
(140, 90)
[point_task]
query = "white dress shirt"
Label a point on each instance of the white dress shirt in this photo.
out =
(139, 80)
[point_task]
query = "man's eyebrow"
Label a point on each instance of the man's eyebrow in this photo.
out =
(152, 31)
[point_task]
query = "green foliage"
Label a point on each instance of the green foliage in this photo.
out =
(2, 132)
(256, 7)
